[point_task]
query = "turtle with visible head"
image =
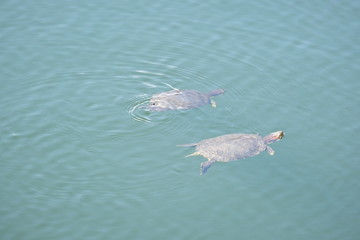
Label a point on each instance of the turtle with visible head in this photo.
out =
(232, 147)
(181, 99)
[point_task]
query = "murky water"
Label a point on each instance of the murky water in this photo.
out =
(80, 158)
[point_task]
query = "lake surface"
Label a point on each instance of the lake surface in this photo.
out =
(80, 158)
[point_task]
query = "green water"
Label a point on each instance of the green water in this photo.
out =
(80, 159)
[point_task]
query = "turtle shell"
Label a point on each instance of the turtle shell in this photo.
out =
(231, 147)
(178, 100)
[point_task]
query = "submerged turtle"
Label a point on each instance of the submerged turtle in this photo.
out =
(232, 147)
(181, 99)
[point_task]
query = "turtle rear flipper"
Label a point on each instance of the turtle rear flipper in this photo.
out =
(193, 154)
(204, 166)
(188, 145)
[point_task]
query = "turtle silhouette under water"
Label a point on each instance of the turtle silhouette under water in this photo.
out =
(232, 147)
(181, 100)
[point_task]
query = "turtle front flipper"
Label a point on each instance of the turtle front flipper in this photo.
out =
(204, 166)
(270, 150)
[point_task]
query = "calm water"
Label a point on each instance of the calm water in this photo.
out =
(81, 160)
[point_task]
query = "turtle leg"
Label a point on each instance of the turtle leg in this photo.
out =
(213, 103)
(204, 166)
(193, 154)
(270, 150)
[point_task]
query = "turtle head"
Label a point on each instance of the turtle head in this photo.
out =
(274, 137)
(158, 105)
(216, 92)
(155, 107)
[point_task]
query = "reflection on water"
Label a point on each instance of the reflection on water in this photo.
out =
(138, 106)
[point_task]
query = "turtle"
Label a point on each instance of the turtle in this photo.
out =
(177, 99)
(232, 147)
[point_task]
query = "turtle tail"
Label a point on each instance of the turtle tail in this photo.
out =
(216, 92)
